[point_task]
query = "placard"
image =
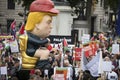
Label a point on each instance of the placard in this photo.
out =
(115, 48)
(85, 38)
(107, 66)
(60, 73)
(14, 46)
(3, 70)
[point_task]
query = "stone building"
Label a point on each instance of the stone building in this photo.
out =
(64, 23)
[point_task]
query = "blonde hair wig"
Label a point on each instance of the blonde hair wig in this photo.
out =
(35, 18)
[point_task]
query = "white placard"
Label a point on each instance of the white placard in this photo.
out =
(107, 66)
(85, 38)
(59, 77)
(14, 46)
(115, 48)
(3, 70)
(46, 72)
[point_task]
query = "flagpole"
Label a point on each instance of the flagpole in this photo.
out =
(75, 43)
(63, 52)
(82, 64)
(100, 69)
(72, 55)
(62, 55)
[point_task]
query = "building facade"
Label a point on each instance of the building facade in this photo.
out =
(64, 24)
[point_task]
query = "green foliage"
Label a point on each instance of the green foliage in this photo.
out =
(25, 3)
(73, 3)
(113, 4)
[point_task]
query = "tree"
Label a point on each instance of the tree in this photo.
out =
(76, 5)
(25, 3)
(113, 4)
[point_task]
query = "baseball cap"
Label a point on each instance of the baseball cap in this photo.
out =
(43, 6)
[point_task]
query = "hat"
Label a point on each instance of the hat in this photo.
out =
(43, 6)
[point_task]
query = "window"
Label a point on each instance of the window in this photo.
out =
(11, 4)
(101, 3)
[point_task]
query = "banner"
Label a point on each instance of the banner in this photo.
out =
(90, 48)
(88, 51)
(93, 65)
(94, 47)
(58, 39)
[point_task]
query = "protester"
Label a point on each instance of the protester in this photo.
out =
(112, 75)
(71, 70)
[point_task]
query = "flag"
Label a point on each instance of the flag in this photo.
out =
(94, 65)
(13, 24)
(65, 45)
(21, 31)
(118, 23)
(49, 47)
(13, 30)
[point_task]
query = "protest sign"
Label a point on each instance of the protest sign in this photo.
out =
(60, 73)
(107, 66)
(115, 48)
(14, 46)
(3, 70)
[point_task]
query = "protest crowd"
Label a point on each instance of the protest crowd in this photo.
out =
(28, 55)
(64, 57)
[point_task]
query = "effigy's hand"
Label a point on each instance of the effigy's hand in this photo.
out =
(42, 53)
(43, 62)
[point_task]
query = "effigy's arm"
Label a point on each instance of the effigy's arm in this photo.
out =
(41, 42)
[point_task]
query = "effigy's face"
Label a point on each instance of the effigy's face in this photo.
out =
(44, 27)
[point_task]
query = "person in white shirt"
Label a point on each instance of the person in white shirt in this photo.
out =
(112, 75)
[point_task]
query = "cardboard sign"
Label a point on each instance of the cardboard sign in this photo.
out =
(115, 48)
(107, 66)
(77, 54)
(85, 38)
(60, 73)
(3, 70)
(14, 46)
